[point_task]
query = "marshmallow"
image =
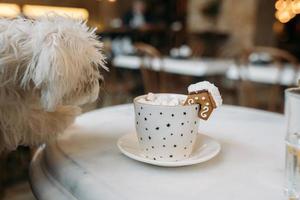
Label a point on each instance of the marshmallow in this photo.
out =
(163, 99)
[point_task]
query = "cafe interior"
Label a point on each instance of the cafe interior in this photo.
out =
(248, 49)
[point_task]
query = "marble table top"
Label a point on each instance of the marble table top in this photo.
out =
(85, 163)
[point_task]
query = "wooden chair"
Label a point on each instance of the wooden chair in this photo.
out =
(154, 76)
(151, 68)
(118, 85)
(252, 94)
(197, 47)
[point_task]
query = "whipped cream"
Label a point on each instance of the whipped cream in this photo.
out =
(163, 99)
(211, 88)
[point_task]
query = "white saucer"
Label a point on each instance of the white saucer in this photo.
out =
(205, 149)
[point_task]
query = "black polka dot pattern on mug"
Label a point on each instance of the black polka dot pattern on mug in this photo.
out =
(166, 132)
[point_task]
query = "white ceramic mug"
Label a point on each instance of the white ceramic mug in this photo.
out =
(166, 133)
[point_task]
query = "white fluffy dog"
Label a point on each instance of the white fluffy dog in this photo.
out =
(48, 68)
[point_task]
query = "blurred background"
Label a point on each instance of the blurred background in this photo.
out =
(249, 49)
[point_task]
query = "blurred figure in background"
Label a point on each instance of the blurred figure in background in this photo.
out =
(137, 17)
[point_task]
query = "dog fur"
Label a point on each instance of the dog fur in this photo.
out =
(48, 68)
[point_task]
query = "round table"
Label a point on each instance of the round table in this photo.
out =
(85, 163)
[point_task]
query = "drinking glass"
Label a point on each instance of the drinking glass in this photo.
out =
(292, 113)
